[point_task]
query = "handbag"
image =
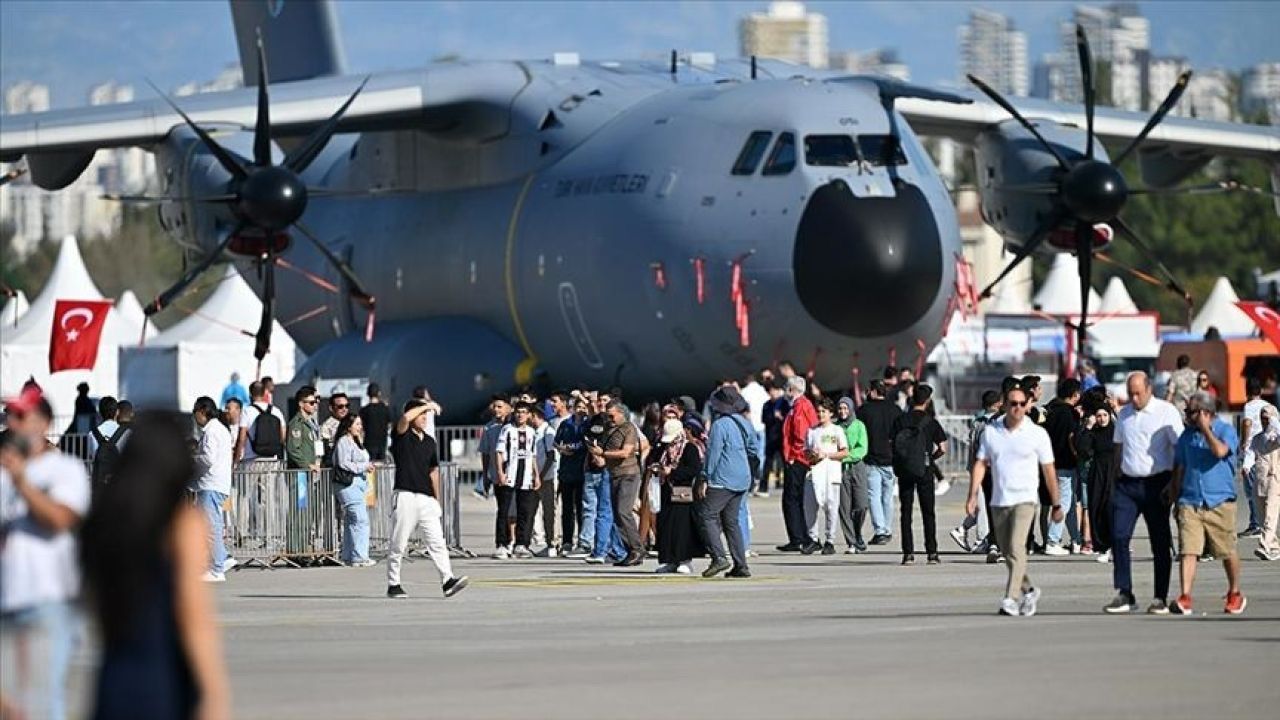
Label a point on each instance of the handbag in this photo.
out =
(682, 494)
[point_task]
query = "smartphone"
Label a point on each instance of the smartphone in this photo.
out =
(17, 441)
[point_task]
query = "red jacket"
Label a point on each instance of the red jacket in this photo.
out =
(795, 430)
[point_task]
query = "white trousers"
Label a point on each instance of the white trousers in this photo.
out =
(412, 511)
(822, 499)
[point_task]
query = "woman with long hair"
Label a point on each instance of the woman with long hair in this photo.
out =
(680, 455)
(143, 553)
(350, 463)
(651, 431)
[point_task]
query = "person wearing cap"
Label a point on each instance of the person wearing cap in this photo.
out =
(1266, 480)
(44, 495)
(728, 471)
(677, 462)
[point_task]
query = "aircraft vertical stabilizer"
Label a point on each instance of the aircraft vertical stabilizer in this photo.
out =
(301, 38)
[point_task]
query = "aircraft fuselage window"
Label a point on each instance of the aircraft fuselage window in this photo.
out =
(881, 150)
(751, 153)
(783, 158)
(829, 150)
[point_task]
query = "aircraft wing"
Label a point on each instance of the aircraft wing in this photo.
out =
(467, 101)
(963, 122)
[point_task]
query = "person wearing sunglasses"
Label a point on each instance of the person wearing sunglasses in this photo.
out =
(302, 445)
(339, 408)
(1204, 484)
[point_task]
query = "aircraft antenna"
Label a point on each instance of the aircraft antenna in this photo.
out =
(753, 67)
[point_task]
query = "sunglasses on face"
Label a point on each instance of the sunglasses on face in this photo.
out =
(1015, 404)
(341, 407)
(312, 401)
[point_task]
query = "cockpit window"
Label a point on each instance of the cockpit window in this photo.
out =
(783, 158)
(881, 150)
(829, 150)
(751, 153)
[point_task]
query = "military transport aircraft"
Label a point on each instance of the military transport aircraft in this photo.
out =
(655, 224)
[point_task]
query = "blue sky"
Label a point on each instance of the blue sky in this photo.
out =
(72, 45)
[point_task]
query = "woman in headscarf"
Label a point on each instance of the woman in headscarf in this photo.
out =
(680, 454)
(1095, 444)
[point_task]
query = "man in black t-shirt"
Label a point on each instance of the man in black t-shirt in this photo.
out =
(879, 413)
(376, 417)
(415, 502)
(918, 440)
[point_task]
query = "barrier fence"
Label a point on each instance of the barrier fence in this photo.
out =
(276, 516)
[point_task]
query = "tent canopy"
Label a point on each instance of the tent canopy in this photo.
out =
(1060, 293)
(14, 309)
(132, 319)
(1116, 298)
(1220, 311)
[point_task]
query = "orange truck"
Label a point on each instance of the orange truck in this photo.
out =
(1228, 363)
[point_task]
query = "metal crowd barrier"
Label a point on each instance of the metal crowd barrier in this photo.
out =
(290, 517)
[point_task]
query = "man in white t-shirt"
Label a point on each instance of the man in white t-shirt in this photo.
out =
(43, 497)
(827, 445)
(212, 483)
(245, 454)
(756, 396)
(1015, 451)
(1250, 427)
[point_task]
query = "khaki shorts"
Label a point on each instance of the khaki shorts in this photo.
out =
(1212, 529)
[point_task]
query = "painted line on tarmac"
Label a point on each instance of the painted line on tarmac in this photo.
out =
(613, 580)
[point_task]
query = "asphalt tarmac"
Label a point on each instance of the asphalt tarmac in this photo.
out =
(836, 636)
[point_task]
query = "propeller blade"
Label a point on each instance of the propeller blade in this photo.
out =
(1209, 189)
(1086, 80)
(1084, 261)
(1171, 282)
(262, 340)
(1032, 188)
(1169, 101)
(164, 299)
(1025, 251)
(997, 99)
(353, 283)
(225, 159)
(367, 192)
(12, 175)
(262, 128)
(148, 199)
(303, 155)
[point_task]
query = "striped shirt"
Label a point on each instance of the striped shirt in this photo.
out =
(518, 453)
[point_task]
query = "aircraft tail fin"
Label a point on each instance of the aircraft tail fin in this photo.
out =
(301, 38)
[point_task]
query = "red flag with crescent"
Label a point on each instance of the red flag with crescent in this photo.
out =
(1267, 319)
(77, 328)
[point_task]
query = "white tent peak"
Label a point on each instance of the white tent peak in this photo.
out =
(1220, 311)
(1010, 299)
(1060, 292)
(132, 319)
(14, 309)
(1116, 299)
(69, 281)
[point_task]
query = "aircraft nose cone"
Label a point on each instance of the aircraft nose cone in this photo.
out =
(867, 267)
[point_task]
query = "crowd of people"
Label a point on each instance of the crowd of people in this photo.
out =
(132, 526)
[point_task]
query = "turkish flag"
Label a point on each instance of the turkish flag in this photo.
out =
(1266, 318)
(77, 328)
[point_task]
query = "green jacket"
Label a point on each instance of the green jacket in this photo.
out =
(300, 442)
(856, 433)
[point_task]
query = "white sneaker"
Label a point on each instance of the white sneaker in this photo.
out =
(961, 536)
(1056, 550)
(214, 577)
(684, 568)
(1076, 548)
(229, 563)
(367, 562)
(552, 551)
(667, 569)
(981, 547)
(1028, 605)
(546, 552)
(521, 552)
(942, 487)
(1104, 557)
(503, 553)
(1009, 606)
(851, 550)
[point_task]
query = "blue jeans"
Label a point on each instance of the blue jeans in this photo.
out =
(744, 521)
(597, 517)
(42, 638)
(210, 503)
(355, 521)
(1066, 479)
(880, 481)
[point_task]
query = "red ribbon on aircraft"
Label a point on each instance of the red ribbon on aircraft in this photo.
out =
(659, 276)
(920, 347)
(699, 266)
(1266, 318)
(77, 328)
(857, 382)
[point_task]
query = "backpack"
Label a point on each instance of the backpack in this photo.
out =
(976, 429)
(107, 458)
(753, 460)
(266, 437)
(911, 450)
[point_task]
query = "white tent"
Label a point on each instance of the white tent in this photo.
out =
(1060, 293)
(1220, 311)
(1116, 298)
(1010, 299)
(14, 309)
(198, 355)
(132, 319)
(24, 350)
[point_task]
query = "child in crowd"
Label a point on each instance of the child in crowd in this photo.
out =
(518, 482)
(827, 445)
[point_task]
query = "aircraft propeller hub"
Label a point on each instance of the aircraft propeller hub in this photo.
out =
(1094, 191)
(272, 198)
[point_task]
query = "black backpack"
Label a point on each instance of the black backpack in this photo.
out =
(266, 436)
(107, 458)
(911, 450)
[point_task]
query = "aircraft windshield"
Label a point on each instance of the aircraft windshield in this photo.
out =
(829, 150)
(880, 150)
(751, 153)
(783, 158)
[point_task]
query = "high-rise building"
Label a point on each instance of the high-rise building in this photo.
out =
(1260, 91)
(992, 50)
(1161, 73)
(882, 61)
(26, 97)
(786, 32)
(1119, 39)
(1208, 96)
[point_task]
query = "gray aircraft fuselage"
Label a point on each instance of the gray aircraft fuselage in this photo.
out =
(551, 233)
